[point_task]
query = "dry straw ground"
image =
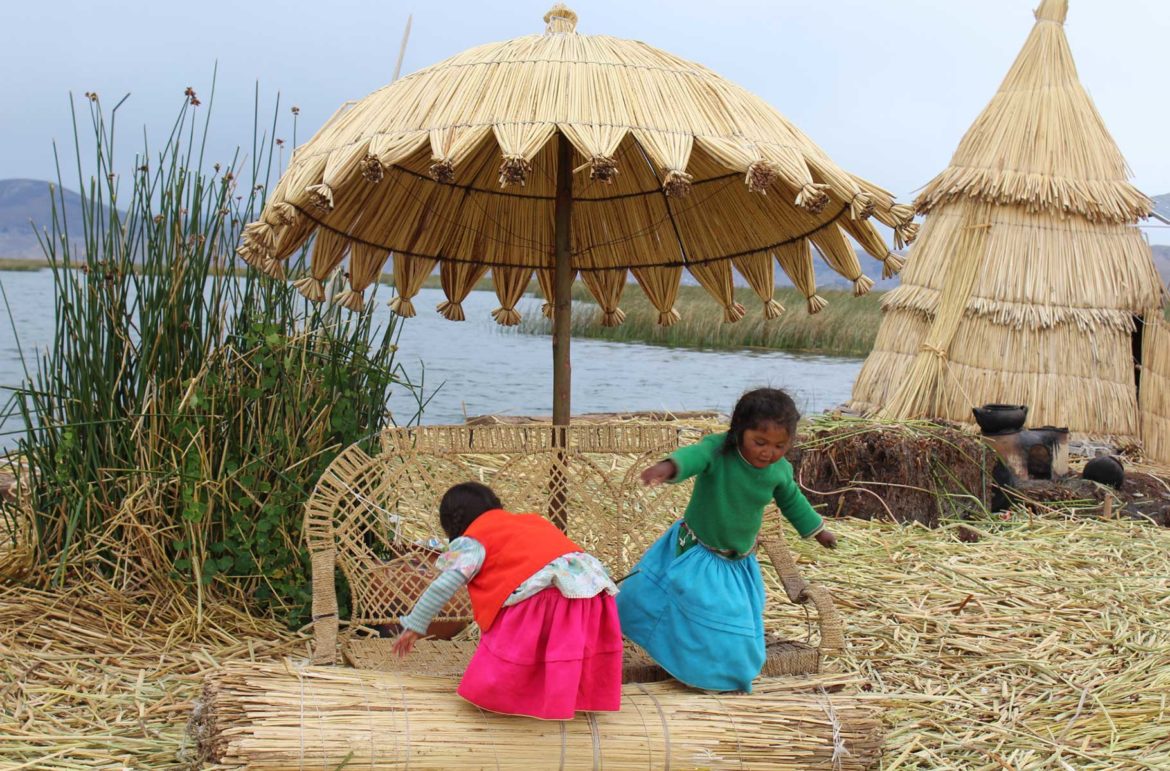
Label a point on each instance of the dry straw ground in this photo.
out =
(1044, 645)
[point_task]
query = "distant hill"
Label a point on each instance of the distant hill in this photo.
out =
(22, 203)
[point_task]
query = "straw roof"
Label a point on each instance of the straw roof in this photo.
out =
(674, 167)
(1026, 282)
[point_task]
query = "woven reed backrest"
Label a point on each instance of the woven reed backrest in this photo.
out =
(372, 515)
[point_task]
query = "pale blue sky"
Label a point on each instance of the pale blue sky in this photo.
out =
(887, 87)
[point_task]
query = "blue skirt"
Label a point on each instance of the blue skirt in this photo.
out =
(698, 614)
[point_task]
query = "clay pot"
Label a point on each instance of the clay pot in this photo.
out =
(1105, 469)
(1000, 418)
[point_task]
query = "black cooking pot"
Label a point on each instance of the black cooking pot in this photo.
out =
(1000, 418)
(1106, 469)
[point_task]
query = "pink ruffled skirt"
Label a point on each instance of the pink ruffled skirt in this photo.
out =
(549, 657)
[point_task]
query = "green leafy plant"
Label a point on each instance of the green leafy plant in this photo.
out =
(187, 405)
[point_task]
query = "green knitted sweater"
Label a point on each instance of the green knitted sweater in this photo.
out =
(726, 508)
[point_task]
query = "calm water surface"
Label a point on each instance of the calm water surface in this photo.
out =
(479, 367)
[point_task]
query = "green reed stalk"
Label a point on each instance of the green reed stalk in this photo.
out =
(187, 406)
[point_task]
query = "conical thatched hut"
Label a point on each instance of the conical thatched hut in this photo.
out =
(1030, 276)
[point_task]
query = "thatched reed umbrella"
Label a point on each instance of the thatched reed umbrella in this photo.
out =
(563, 154)
(1030, 277)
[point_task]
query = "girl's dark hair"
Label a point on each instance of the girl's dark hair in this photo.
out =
(757, 407)
(462, 504)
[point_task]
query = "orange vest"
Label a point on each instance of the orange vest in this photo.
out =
(515, 546)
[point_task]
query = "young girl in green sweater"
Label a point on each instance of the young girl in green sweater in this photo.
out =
(695, 601)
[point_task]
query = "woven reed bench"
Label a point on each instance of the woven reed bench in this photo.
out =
(374, 517)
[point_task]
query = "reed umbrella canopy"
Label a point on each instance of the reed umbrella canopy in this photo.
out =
(672, 167)
(1031, 278)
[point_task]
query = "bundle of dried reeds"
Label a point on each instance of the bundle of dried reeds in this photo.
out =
(271, 717)
(673, 167)
(1039, 308)
(1155, 388)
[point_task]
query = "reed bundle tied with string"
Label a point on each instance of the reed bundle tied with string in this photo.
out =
(1030, 274)
(674, 167)
(276, 717)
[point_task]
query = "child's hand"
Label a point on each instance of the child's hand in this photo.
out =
(827, 539)
(405, 643)
(662, 471)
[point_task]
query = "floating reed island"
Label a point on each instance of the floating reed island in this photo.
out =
(1043, 645)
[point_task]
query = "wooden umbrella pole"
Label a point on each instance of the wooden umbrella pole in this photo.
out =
(562, 326)
(563, 283)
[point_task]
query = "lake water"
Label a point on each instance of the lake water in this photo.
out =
(480, 367)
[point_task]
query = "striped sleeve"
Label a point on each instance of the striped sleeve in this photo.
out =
(438, 594)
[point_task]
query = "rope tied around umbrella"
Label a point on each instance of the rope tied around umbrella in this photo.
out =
(613, 317)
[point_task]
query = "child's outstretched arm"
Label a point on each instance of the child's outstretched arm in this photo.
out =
(685, 462)
(438, 594)
(456, 566)
(662, 471)
(797, 510)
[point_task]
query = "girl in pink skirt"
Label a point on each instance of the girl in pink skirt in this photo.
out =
(550, 644)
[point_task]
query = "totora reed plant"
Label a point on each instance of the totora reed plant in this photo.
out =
(186, 407)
